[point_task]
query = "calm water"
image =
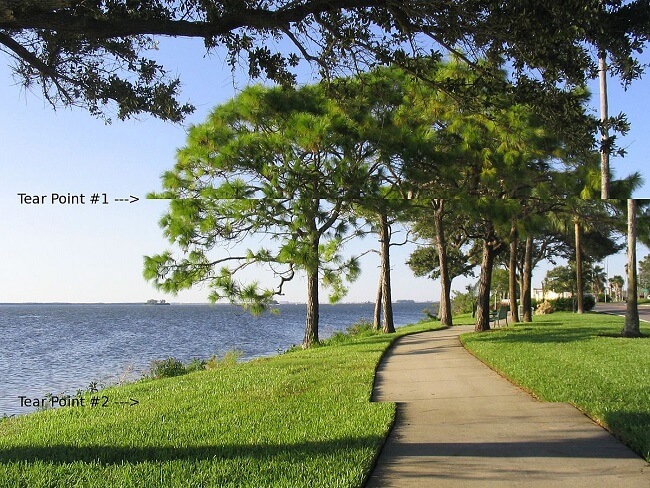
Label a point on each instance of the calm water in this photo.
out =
(62, 348)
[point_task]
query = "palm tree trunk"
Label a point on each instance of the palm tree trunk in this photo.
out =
(631, 328)
(604, 109)
(526, 298)
(579, 284)
(512, 275)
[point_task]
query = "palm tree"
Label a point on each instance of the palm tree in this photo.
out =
(616, 283)
(599, 278)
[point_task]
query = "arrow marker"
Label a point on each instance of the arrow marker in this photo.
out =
(131, 199)
(130, 404)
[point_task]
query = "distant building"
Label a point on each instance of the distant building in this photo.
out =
(540, 294)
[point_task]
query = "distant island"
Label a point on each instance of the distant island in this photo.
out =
(151, 301)
(404, 301)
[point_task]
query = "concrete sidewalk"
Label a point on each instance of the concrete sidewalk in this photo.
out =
(460, 424)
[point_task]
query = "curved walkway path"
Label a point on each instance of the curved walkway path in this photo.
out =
(460, 424)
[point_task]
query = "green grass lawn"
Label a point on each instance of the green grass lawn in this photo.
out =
(303, 418)
(564, 357)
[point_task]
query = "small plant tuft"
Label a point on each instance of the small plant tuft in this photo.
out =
(229, 359)
(195, 364)
(360, 327)
(167, 368)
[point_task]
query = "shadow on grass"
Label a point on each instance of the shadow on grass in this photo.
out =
(540, 335)
(102, 454)
(634, 429)
(621, 336)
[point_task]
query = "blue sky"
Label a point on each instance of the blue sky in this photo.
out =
(93, 253)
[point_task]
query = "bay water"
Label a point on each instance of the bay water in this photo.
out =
(61, 348)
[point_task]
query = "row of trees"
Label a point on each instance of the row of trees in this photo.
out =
(94, 54)
(319, 165)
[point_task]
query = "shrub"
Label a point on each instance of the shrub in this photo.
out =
(544, 308)
(360, 327)
(167, 368)
(588, 302)
(229, 358)
(462, 303)
(568, 304)
(195, 365)
(563, 304)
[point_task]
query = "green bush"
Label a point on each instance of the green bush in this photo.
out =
(562, 304)
(195, 365)
(167, 368)
(462, 303)
(568, 304)
(361, 327)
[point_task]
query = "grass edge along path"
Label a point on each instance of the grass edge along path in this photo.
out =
(303, 418)
(565, 357)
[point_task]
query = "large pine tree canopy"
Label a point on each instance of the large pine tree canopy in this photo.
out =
(95, 53)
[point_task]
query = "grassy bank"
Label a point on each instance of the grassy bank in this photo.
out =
(299, 419)
(565, 357)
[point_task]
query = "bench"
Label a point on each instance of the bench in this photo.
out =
(498, 315)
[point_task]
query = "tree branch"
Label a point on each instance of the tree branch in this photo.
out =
(65, 22)
(32, 60)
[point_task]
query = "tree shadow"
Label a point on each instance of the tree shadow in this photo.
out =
(533, 335)
(597, 445)
(109, 455)
(633, 429)
(613, 335)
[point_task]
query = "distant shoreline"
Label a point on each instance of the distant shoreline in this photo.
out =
(410, 302)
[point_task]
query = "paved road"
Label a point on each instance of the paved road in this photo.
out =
(459, 424)
(619, 309)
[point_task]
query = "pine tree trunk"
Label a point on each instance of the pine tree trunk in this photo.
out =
(444, 308)
(526, 299)
(312, 267)
(631, 328)
(376, 321)
(512, 275)
(579, 285)
(483, 309)
(311, 327)
(389, 324)
(604, 114)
